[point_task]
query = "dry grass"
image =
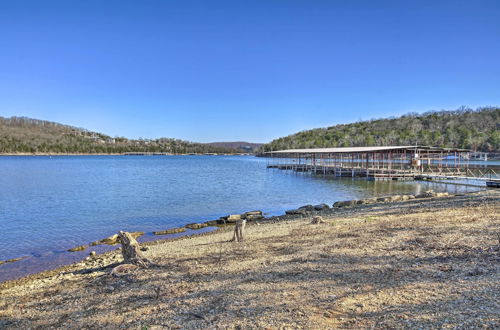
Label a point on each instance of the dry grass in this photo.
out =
(417, 265)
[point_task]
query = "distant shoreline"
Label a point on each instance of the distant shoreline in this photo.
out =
(122, 154)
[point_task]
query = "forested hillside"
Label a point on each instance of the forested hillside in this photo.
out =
(241, 146)
(478, 130)
(25, 135)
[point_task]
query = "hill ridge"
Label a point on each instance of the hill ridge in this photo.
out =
(466, 128)
(33, 136)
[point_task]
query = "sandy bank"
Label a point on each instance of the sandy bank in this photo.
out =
(418, 263)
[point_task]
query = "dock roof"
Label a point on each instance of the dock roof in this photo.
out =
(364, 150)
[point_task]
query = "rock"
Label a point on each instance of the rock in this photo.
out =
(426, 194)
(78, 248)
(407, 197)
(92, 254)
(302, 212)
(344, 203)
(196, 225)
(254, 217)
(443, 194)
(395, 198)
(233, 217)
(383, 199)
(170, 231)
(253, 213)
(317, 220)
(12, 260)
(366, 201)
(321, 207)
(212, 222)
(308, 208)
(114, 239)
(111, 240)
(137, 234)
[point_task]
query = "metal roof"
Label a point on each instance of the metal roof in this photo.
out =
(360, 149)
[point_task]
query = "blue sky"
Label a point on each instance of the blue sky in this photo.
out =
(243, 70)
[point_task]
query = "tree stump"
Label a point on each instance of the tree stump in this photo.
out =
(239, 231)
(131, 251)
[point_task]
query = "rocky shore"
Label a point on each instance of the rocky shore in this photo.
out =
(403, 261)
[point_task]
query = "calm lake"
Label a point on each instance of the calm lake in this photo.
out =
(50, 204)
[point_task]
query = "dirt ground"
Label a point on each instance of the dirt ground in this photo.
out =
(423, 263)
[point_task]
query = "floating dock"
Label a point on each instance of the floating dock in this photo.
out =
(385, 163)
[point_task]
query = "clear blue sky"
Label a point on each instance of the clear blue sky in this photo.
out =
(243, 70)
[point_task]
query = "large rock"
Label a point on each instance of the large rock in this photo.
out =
(170, 231)
(395, 198)
(12, 260)
(308, 208)
(344, 203)
(366, 201)
(114, 239)
(213, 222)
(426, 194)
(233, 217)
(253, 213)
(253, 217)
(321, 207)
(111, 240)
(196, 225)
(78, 248)
(302, 212)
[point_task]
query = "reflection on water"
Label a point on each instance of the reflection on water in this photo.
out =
(50, 204)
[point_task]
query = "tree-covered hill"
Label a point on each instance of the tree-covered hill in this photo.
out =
(26, 135)
(478, 130)
(241, 146)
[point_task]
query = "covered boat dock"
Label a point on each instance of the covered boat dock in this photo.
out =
(382, 163)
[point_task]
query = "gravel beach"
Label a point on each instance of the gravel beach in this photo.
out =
(421, 263)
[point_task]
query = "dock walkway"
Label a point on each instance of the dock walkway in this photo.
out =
(386, 163)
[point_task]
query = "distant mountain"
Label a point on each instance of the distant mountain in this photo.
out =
(26, 135)
(242, 146)
(478, 130)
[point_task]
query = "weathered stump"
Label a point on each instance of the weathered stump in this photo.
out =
(239, 231)
(131, 251)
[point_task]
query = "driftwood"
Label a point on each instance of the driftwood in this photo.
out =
(239, 231)
(131, 251)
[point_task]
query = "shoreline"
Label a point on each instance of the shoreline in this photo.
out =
(107, 245)
(398, 264)
(103, 245)
(120, 154)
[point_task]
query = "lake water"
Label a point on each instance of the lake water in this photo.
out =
(50, 204)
